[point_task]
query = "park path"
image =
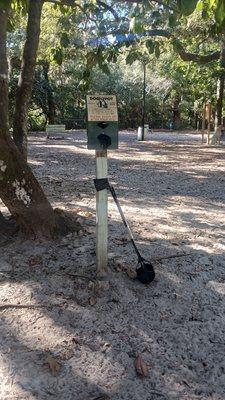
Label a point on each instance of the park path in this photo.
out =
(80, 339)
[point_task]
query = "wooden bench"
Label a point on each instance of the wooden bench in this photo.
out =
(55, 131)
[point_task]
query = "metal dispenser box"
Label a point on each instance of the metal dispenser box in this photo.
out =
(102, 122)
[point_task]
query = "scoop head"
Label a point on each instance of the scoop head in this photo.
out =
(145, 272)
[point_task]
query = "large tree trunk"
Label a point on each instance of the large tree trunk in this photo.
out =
(220, 88)
(49, 94)
(19, 189)
(24, 89)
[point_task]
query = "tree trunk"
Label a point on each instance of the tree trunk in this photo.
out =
(24, 89)
(219, 101)
(50, 97)
(19, 189)
(220, 88)
(176, 112)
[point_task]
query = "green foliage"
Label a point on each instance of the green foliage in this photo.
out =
(83, 44)
(157, 49)
(57, 55)
(64, 40)
(187, 7)
(133, 56)
(209, 9)
(36, 119)
(6, 4)
(150, 46)
(220, 13)
(176, 45)
(15, 5)
(136, 25)
(213, 9)
(172, 20)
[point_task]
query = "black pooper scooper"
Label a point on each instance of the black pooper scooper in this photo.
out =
(105, 140)
(145, 270)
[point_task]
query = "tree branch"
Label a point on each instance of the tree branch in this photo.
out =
(179, 48)
(200, 59)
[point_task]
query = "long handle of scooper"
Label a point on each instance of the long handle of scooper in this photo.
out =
(115, 198)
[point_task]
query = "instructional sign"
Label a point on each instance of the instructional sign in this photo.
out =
(102, 122)
(102, 108)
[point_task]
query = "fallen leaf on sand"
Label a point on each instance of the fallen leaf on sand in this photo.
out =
(88, 214)
(53, 364)
(175, 242)
(92, 301)
(122, 267)
(163, 316)
(106, 346)
(131, 273)
(140, 366)
(34, 261)
(121, 241)
(102, 285)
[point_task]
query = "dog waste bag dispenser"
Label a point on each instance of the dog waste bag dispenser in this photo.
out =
(102, 131)
(102, 124)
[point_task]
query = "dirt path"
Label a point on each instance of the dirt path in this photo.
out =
(70, 338)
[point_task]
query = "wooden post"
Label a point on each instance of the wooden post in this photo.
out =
(102, 215)
(209, 121)
(203, 122)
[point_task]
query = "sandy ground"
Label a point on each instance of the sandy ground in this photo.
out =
(65, 337)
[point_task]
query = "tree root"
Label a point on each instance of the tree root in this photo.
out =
(67, 222)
